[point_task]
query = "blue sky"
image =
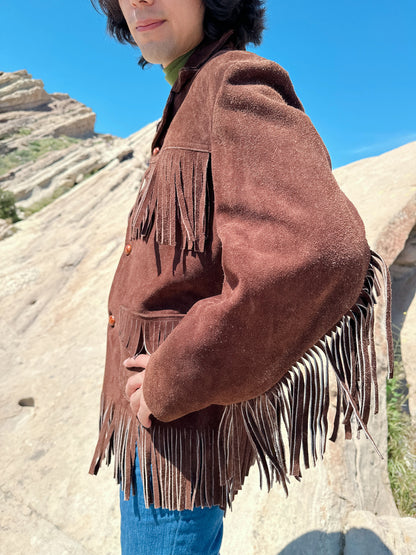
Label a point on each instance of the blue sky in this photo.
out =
(352, 64)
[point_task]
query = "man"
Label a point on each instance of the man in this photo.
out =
(245, 273)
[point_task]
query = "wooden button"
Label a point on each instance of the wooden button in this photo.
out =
(111, 321)
(156, 151)
(127, 249)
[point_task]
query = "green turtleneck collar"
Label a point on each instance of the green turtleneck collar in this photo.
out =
(172, 70)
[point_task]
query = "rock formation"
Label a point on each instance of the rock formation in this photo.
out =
(20, 91)
(28, 105)
(54, 280)
(30, 119)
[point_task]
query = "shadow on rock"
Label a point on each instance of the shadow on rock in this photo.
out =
(357, 541)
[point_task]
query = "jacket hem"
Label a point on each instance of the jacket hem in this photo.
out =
(183, 468)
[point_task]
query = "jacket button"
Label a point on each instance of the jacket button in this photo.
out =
(156, 151)
(127, 249)
(111, 321)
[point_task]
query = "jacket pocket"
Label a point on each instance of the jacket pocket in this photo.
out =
(143, 332)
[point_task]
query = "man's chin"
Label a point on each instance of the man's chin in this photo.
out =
(156, 55)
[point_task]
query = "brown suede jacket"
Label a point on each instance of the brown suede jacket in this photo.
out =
(245, 275)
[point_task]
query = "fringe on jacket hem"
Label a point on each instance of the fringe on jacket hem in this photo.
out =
(285, 425)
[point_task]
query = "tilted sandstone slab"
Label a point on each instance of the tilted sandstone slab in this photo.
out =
(24, 104)
(28, 131)
(384, 190)
(403, 273)
(54, 281)
(19, 91)
(36, 180)
(63, 116)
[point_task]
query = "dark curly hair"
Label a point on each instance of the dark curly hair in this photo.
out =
(245, 17)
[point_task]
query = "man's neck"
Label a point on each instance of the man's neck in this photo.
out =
(172, 70)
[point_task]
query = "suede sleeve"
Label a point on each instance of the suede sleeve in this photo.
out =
(294, 253)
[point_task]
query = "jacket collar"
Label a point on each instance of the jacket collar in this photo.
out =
(202, 54)
(205, 51)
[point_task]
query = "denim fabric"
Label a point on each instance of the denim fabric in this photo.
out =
(162, 532)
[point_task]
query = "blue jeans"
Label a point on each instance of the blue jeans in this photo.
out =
(162, 532)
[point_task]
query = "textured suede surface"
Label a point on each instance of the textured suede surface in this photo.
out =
(244, 253)
(288, 253)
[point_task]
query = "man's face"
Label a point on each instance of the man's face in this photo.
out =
(164, 29)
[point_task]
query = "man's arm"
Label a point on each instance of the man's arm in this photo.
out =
(294, 253)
